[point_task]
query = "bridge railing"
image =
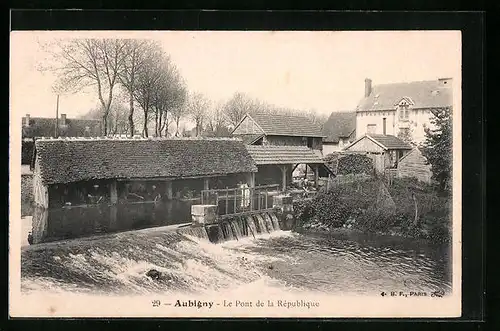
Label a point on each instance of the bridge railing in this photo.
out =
(240, 200)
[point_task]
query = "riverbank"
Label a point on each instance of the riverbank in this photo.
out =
(405, 208)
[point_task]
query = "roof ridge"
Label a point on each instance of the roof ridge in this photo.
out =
(138, 138)
(407, 83)
(278, 114)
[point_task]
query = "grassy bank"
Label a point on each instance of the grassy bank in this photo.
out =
(405, 208)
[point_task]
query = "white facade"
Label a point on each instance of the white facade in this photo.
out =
(373, 121)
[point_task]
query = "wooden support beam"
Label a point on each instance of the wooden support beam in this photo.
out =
(169, 190)
(283, 176)
(113, 193)
(316, 176)
(205, 183)
(251, 179)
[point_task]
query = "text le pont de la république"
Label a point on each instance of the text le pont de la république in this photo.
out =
(287, 304)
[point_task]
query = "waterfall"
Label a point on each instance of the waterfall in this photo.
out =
(238, 227)
(227, 231)
(199, 232)
(251, 225)
(269, 222)
(262, 226)
(235, 228)
(275, 221)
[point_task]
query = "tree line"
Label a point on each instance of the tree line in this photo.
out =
(140, 89)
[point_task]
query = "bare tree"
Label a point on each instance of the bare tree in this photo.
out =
(169, 95)
(237, 107)
(146, 82)
(216, 122)
(79, 63)
(197, 108)
(178, 113)
(135, 55)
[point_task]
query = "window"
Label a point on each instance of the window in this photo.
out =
(404, 112)
(371, 128)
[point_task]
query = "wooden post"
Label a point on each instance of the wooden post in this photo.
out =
(113, 193)
(235, 196)
(113, 216)
(316, 176)
(258, 199)
(205, 183)
(267, 193)
(283, 177)
(251, 181)
(169, 190)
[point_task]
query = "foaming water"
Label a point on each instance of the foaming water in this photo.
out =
(277, 262)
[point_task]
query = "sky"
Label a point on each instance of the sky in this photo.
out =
(321, 71)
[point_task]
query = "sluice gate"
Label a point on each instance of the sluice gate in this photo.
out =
(235, 228)
(232, 214)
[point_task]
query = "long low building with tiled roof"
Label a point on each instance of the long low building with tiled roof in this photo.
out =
(67, 171)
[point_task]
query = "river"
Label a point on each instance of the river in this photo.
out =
(280, 261)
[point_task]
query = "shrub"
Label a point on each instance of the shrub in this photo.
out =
(303, 211)
(354, 164)
(330, 209)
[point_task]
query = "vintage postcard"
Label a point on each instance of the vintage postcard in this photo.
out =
(235, 174)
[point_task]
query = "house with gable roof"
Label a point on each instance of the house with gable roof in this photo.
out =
(385, 150)
(279, 130)
(281, 144)
(401, 109)
(340, 131)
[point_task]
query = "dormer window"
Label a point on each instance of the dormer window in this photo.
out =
(403, 113)
(403, 108)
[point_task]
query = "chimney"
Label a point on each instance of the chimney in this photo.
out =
(63, 119)
(368, 87)
(27, 120)
(384, 125)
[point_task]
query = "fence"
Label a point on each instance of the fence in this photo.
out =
(346, 179)
(240, 200)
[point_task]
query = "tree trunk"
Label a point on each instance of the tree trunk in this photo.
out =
(156, 122)
(145, 128)
(415, 221)
(131, 114)
(105, 124)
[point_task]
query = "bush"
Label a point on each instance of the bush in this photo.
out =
(355, 204)
(330, 209)
(303, 211)
(354, 164)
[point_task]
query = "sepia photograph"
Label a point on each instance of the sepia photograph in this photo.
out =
(235, 174)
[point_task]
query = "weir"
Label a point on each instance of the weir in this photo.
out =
(254, 211)
(235, 228)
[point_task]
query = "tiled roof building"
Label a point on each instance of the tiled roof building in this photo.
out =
(279, 129)
(402, 109)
